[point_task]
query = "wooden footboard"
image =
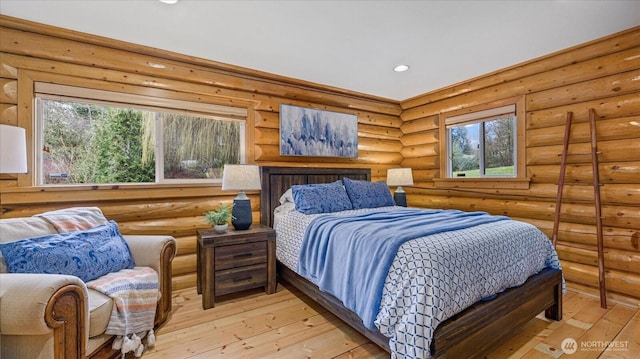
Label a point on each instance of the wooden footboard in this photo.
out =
(473, 332)
(481, 327)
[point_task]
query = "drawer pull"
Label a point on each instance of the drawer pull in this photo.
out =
(242, 279)
(242, 255)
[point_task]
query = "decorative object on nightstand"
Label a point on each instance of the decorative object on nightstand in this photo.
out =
(219, 217)
(241, 177)
(400, 177)
(234, 261)
(13, 149)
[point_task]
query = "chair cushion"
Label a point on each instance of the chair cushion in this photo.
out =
(100, 307)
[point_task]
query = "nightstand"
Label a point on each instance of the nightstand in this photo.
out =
(233, 261)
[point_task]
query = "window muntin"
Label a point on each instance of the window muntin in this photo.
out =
(99, 141)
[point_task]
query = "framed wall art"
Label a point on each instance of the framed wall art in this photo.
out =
(312, 132)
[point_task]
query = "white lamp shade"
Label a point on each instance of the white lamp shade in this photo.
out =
(241, 177)
(399, 177)
(13, 149)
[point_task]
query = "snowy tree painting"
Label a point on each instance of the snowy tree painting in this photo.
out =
(311, 132)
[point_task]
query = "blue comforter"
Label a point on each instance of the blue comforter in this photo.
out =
(376, 237)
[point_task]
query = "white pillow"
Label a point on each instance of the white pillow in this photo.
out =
(287, 197)
(285, 208)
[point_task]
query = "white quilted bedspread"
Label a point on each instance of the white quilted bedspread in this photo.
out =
(435, 277)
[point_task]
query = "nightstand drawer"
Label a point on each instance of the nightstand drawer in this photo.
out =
(236, 279)
(240, 255)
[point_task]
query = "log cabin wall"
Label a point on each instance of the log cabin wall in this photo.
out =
(31, 51)
(603, 75)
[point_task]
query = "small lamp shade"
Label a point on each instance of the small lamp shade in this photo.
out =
(400, 177)
(241, 178)
(13, 149)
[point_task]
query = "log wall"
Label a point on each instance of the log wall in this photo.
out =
(602, 75)
(33, 51)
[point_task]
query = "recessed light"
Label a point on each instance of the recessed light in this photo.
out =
(401, 68)
(169, 1)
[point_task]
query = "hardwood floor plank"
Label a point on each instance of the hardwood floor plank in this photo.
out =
(228, 329)
(366, 351)
(629, 338)
(592, 343)
(551, 337)
(525, 339)
(273, 341)
(187, 307)
(287, 324)
(544, 350)
(335, 341)
(590, 312)
(574, 304)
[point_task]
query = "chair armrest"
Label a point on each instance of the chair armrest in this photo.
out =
(25, 299)
(148, 251)
(156, 252)
(39, 304)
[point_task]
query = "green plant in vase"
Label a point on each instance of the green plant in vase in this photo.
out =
(220, 216)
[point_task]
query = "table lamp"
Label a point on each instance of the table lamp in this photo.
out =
(13, 149)
(399, 177)
(241, 177)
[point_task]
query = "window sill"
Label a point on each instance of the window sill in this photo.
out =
(490, 183)
(108, 186)
(92, 193)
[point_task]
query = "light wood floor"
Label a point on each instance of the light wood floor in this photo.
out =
(288, 324)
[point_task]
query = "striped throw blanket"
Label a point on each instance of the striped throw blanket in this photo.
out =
(135, 295)
(74, 219)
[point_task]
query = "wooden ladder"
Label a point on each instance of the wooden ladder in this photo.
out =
(596, 193)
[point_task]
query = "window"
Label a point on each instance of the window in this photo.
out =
(483, 143)
(96, 137)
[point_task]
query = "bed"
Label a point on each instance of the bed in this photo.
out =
(472, 332)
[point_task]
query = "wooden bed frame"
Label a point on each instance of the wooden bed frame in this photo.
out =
(473, 332)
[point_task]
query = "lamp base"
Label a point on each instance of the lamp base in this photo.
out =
(400, 198)
(241, 212)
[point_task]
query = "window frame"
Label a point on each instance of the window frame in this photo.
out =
(177, 106)
(475, 114)
(480, 118)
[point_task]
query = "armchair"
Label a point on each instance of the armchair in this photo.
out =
(57, 316)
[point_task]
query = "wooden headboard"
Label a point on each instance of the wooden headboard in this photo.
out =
(277, 180)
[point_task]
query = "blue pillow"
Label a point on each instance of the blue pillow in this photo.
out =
(365, 194)
(321, 198)
(87, 254)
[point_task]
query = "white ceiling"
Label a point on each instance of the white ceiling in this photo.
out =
(347, 44)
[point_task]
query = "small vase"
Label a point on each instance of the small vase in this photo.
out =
(220, 228)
